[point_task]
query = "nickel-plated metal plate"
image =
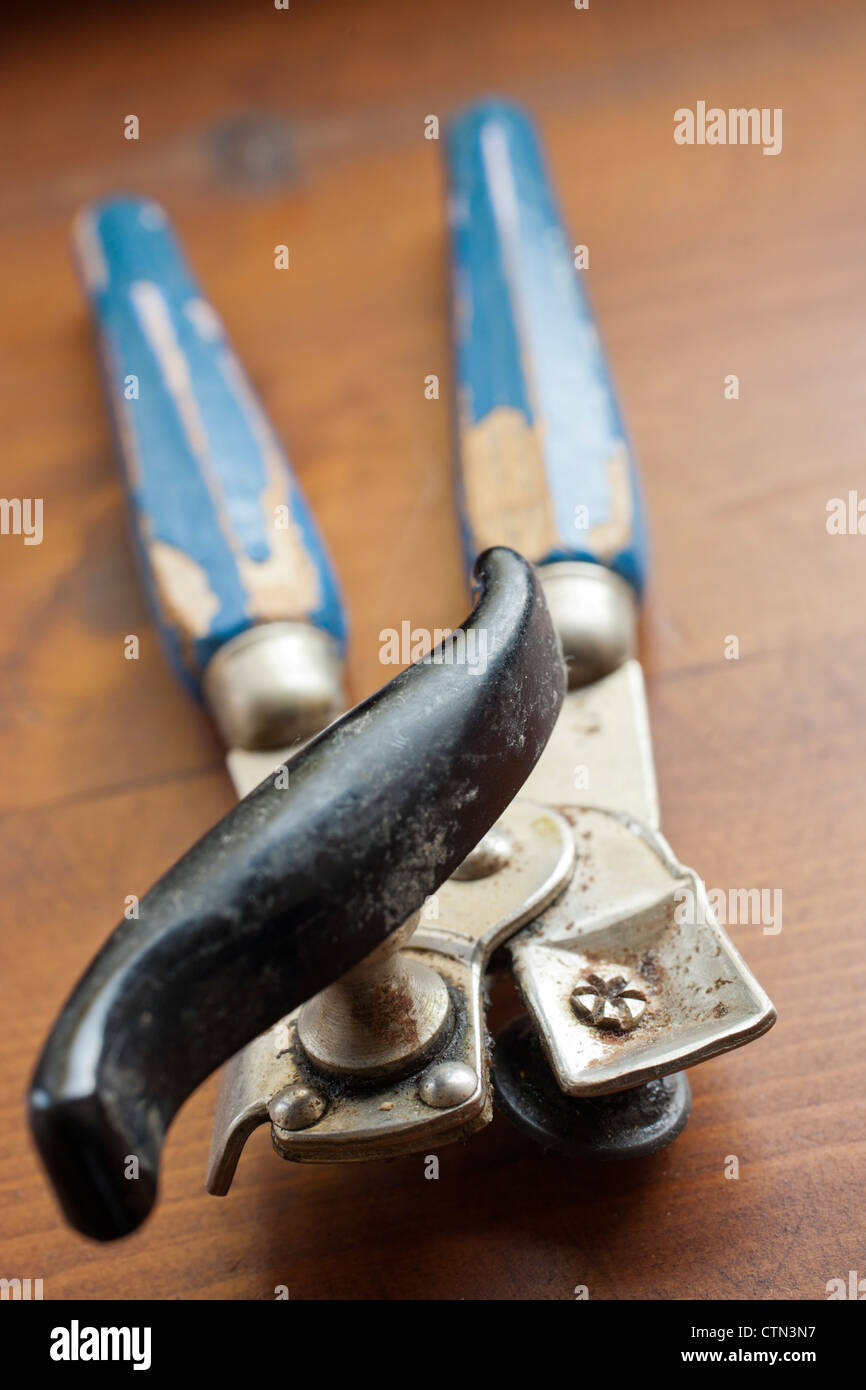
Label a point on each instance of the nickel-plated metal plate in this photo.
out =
(460, 926)
(600, 751)
(632, 937)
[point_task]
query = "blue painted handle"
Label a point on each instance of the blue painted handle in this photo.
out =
(226, 537)
(545, 462)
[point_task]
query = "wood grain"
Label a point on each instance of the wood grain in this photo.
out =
(704, 262)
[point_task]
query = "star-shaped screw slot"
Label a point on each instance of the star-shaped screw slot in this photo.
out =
(612, 1003)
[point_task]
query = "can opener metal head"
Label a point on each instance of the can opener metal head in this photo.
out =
(327, 941)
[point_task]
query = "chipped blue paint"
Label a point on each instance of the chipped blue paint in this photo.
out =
(196, 451)
(525, 335)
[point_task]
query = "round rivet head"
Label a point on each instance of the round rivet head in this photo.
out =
(447, 1084)
(491, 854)
(297, 1107)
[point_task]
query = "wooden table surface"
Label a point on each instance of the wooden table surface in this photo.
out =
(703, 262)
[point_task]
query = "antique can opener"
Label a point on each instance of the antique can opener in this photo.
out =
(327, 941)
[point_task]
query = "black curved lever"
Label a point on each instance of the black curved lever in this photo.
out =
(291, 889)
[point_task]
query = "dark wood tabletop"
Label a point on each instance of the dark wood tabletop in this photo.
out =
(260, 126)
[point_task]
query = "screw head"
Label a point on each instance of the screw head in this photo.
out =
(447, 1084)
(297, 1107)
(610, 1001)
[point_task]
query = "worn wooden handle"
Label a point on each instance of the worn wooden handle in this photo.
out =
(545, 462)
(226, 537)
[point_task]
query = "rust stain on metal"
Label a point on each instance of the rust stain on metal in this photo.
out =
(388, 1010)
(650, 971)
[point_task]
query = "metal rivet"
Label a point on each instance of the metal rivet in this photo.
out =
(491, 853)
(612, 1002)
(297, 1107)
(447, 1084)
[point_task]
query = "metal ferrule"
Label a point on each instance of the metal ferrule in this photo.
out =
(273, 684)
(594, 612)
